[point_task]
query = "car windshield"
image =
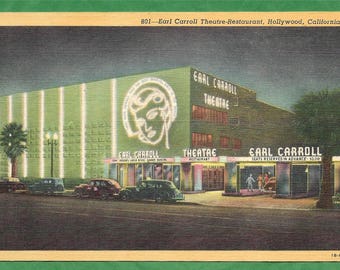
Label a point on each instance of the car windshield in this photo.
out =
(171, 185)
(58, 181)
(114, 183)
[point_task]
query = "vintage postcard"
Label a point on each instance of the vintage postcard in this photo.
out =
(170, 136)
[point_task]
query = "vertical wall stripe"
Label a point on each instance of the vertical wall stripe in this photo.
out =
(10, 119)
(114, 118)
(61, 132)
(24, 125)
(41, 134)
(10, 109)
(83, 130)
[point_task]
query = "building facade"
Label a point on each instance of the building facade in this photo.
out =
(179, 124)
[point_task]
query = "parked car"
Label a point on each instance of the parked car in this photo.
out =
(12, 185)
(98, 188)
(157, 190)
(47, 186)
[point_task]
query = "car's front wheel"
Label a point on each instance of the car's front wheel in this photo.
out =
(125, 197)
(60, 188)
(79, 194)
(104, 196)
(158, 198)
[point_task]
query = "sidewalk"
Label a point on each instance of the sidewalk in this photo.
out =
(215, 198)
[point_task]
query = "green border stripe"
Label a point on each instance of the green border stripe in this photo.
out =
(166, 5)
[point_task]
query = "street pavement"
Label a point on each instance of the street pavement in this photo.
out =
(33, 222)
(265, 201)
(215, 198)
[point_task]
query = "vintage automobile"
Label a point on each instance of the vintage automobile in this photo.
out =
(12, 185)
(98, 188)
(157, 190)
(48, 186)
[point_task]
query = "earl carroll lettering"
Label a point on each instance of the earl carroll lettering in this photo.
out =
(139, 154)
(285, 151)
(216, 83)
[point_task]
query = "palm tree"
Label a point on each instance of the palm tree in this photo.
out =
(13, 139)
(317, 118)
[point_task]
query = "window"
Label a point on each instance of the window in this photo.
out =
(224, 142)
(234, 121)
(209, 115)
(237, 144)
(201, 140)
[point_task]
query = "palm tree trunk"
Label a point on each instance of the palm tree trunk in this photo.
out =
(14, 167)
(325, 200)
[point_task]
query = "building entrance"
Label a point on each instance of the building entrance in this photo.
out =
(213, 178)
(208, 177)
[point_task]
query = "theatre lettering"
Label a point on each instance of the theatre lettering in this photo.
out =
(201, 152)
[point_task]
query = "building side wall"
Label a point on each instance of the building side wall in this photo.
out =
(72, 131)
(250, 123)
(3, 121)
(98, 126)
(279, 131)
(51, 125)
(18, 117)
(33, 133)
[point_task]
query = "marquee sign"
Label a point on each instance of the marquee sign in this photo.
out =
(200, 154)
(306, 153)
(149, 156)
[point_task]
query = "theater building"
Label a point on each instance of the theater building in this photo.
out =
(180, 124)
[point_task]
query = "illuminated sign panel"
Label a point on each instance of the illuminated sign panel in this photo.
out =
(144, 156)
(149, 109)
(200, 152)
(214, 82)
(212, 92)
(153, 112)
(306, 153)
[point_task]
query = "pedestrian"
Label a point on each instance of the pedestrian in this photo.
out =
(260, 182)
(250, 180)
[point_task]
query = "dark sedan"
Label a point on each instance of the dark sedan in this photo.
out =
(98, 188)
(12, 185)
(157, 190)
(47, 186)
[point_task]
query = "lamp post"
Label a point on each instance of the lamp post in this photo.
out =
(52, 139)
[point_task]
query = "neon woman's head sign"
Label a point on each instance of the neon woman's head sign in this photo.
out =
(149, 109)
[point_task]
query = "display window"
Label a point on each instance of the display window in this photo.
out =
(172, 173)
(257, 177)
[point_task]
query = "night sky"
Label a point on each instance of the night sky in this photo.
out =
(280, 64)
